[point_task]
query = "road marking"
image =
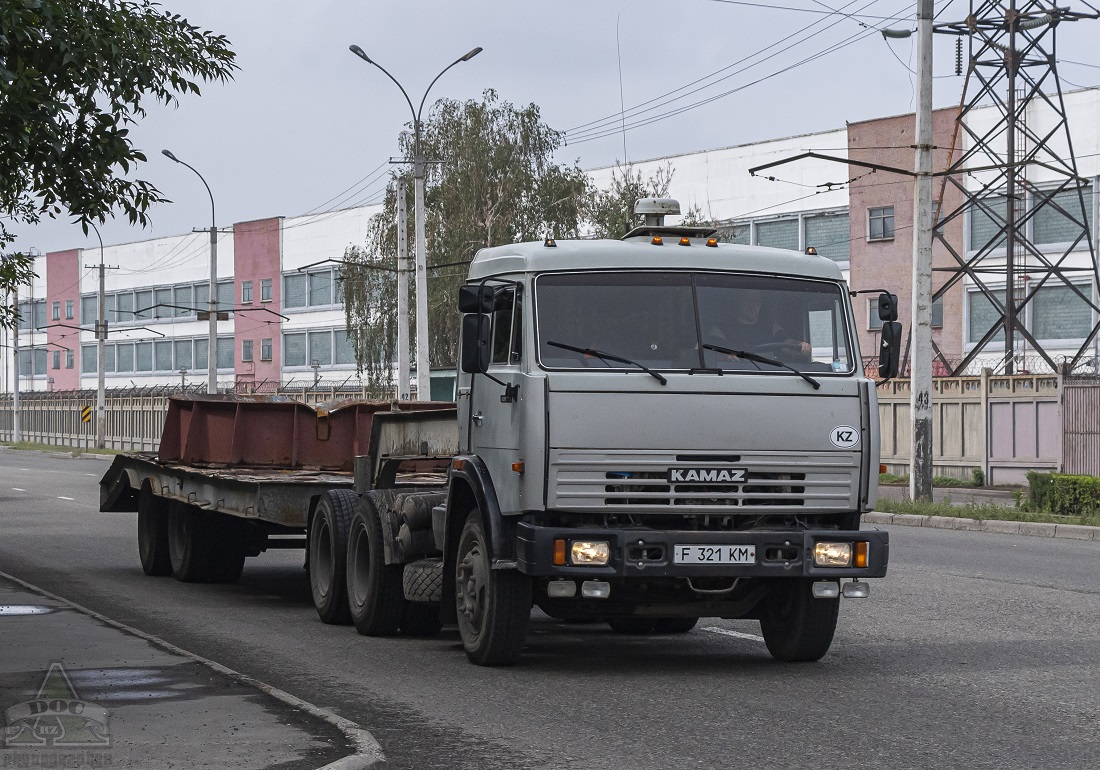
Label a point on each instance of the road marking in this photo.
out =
(17, 489)
(90, 474)
(736, 634)
(60, 497)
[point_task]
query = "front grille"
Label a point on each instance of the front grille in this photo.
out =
(635, 482)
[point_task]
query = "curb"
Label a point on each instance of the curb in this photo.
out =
(368, 752)
(1029, 528)
(63, 454)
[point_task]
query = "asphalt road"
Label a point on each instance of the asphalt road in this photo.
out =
(977, 651)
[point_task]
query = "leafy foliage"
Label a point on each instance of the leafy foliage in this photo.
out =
(610, 212)
(494, 183)
(74, 75)
(1063, 494)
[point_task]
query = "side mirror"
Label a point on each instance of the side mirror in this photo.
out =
(475, 343)
(475, 298)
(889, 348)
(887, 307)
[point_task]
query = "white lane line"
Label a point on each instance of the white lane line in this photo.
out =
(735, 634)
(90, 474)
(61, 497)
(17, 489)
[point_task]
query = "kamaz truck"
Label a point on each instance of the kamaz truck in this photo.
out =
(646, 431)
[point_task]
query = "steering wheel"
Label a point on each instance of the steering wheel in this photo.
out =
(793, 347)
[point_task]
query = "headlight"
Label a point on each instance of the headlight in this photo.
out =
(832, 554)
(587, 552)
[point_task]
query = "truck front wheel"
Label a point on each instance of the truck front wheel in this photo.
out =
(328, 548)
(374, 587)
(153, 532)
(494, 606)
(796, 626)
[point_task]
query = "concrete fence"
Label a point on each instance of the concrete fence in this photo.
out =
(1004, 426)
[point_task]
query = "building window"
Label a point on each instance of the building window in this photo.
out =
(40, 317)
(87, 359)
(320, 288)
(265, 349)
(987, 223)
(55, 311)
(294, 349)
(829, 234)
(1059, 313)
(183, 299)
(265, 290)
(937, 313)
(345, 347)
(738, 233)
(320, 348)
(778, 234)
(57, 359)
(142, 301)
(68, 309)
(873, 321)
(162, 355)
(89, 309)
(246, 292)
(69, 359)
(246, 351)
(1052, 226)
(224, 353)
(880, 223)
(183, 354)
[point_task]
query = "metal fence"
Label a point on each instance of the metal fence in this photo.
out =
(135, 416)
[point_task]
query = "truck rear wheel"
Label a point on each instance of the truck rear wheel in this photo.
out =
(153, 532)
(633, 626)
(187, 543)
(374, 589)
(674, 625)
(494, 606)
(796, 626)
(328, 549)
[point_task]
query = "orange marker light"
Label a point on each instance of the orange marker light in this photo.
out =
(457, 464)
(861, 554)
(657, 241)
(712, 242)
(685, 241)
(517, 467)
(559, 552)
(882, 468)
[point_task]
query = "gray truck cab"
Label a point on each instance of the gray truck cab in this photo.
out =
(668, 428)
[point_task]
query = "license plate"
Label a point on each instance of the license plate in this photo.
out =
(714, 554)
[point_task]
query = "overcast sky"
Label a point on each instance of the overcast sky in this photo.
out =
(306, 126)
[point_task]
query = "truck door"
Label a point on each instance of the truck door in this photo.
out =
(494, 425)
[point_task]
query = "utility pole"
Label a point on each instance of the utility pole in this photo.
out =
(16, 432)
(920, 383)
(101, 341)
(1012, 21)
(423, 367)
(402, 293)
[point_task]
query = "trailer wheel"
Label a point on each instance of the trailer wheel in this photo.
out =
(374, 588)
(328, 549)
(227, 546)
(187, 543)
(633, 626)
(674, 625)
(796, 626)
(153, 532)
(494, 606)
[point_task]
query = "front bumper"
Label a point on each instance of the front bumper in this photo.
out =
(649, 553)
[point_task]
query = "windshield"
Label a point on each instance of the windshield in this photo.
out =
(674, 320)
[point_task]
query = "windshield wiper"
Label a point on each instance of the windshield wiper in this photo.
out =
(754, 357)
(609, 357)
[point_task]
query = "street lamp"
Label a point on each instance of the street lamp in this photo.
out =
(212, 343)
(101, 343)
(423, 382)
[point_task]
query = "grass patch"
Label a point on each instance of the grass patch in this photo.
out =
(74, 451)
(986, 511)
(937, 481)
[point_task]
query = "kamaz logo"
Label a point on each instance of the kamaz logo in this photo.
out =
(706, 475)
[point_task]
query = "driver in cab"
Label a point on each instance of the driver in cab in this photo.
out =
(750, 329)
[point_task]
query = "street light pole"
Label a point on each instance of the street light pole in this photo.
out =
(423, 370)
(402, 293)
(101, 340)
(212, 335)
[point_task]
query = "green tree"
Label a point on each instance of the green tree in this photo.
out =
(610, 212)
(495, 183)
(74, 75)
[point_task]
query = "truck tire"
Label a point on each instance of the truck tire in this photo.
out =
(494, 606)
(328, 553)
(633, 626)
(796, 626)
(188, 543)
(420, 619)
(375, 596)
(674, 625)
(153, 532)
(422, 581)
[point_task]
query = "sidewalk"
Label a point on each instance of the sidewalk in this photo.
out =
(78, 692)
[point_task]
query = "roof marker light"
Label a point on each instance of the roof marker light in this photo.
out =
(811, 251)
(550, 243)
(685, 241)
(657, 241)
(712, 242)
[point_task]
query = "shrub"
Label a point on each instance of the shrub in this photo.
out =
(1064, 494)
(977, 476)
